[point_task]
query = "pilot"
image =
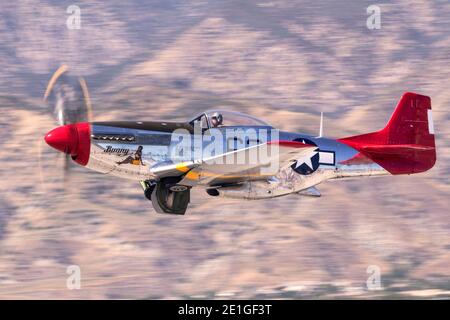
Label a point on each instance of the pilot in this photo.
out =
(216, 119)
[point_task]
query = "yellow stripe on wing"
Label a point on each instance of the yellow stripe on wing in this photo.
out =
(182, 166)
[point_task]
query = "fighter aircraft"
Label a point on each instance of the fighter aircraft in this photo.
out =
(234, 155)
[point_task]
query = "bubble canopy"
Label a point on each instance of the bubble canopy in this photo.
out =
(229, 119)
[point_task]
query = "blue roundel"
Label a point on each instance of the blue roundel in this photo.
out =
(308, 165)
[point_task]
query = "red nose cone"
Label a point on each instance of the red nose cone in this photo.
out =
(73, 139)
(64, 139)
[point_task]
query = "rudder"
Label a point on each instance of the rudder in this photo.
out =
(406, 144)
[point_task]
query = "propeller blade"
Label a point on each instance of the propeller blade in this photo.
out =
(69, 99)
(63, 68)
(87, 99)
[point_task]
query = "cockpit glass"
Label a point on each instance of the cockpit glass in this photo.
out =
(225, 118)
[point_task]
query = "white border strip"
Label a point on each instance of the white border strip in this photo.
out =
(430, 121)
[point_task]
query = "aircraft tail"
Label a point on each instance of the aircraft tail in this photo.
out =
(406, 145)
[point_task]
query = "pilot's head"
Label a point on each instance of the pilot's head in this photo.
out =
(216, 119)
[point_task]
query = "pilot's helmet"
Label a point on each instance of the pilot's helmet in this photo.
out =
(216, 119)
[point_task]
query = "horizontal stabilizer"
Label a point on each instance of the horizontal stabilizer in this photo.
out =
(395, 148)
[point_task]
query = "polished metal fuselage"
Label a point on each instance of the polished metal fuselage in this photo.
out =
(131, 149)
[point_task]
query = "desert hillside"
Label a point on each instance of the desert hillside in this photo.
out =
(282, 61)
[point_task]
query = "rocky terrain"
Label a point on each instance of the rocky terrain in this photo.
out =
(282, 61)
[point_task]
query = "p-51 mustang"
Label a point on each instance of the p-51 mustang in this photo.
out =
(238, 156)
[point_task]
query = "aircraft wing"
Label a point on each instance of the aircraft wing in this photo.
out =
(173, 169)
(253, 162)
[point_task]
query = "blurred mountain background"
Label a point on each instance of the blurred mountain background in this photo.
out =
(283, 61)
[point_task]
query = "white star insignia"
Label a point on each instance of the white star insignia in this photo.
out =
(306, 161)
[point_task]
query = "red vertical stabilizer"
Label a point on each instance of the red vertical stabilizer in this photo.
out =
(406, 145)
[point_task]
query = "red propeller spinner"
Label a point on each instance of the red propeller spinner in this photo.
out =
(73, 139)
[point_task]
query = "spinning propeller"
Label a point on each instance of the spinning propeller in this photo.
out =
(68, 98)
